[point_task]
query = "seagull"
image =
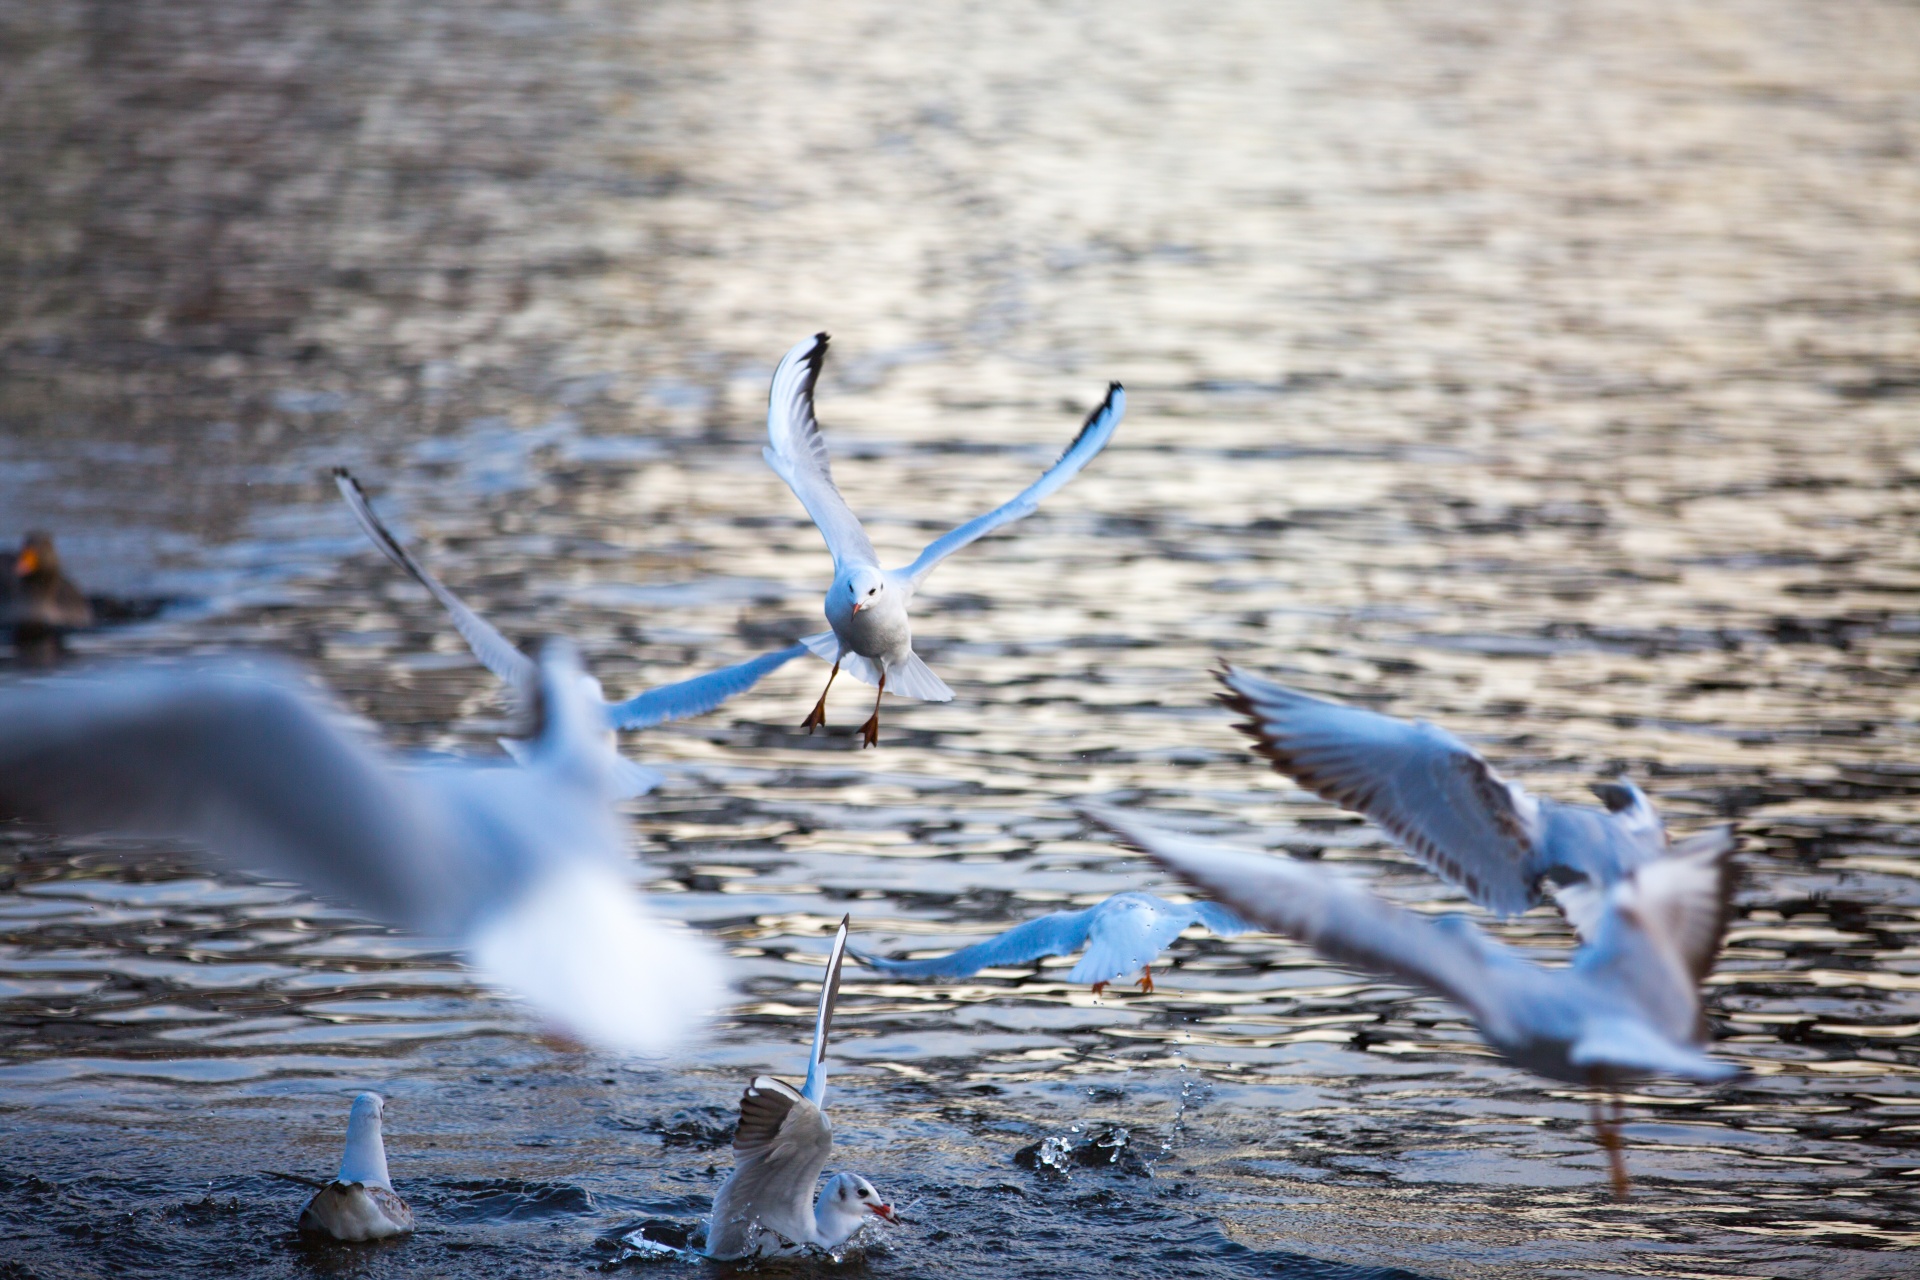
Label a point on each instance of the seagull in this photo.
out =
(524, 867)
(45, 602)
(1443, 803)
(677, 701)
(359, 1204)
(1626, 1008)
(867, 605)
(767, 1206)
(1122, 936)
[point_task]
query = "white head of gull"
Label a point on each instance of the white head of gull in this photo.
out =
(359, 1204)
(524, 867)
(677, 701)
(1443, 802)
(1122, 936)
(767, 1206)
(867, 605)
(1627, 1008)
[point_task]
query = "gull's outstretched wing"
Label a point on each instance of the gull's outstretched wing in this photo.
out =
(1428, 789)
(779, 1150)
(798, 453)
(495, 651)
(701, 694)
(1344, 923)
(815, 1089)
(1058, 934)
(1219, 921)
(1093, 437)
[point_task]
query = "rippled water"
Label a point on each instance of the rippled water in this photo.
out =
(1546, 370)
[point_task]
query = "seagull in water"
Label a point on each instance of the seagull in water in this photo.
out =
(1626, 1008)
(1443, 803)
(46, 604)
(525, 867)
(767, 1206)
(1122, 936)
(677, 701)
(359, 1204)
(867, 605)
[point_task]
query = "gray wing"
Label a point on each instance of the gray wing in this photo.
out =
(1059, 934)
(779, 1151)
(1093, 437)
(699, 695)
(245, 764)
(1219, 921)
(798, 453)
(1429, 790)
(1305, 902)
(815, 1090)
(496, 653)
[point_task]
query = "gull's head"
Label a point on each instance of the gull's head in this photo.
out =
(853, 1196)
(866, 586)
(36, 556)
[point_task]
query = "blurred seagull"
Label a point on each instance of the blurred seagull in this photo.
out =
(767, 1206)
(1443, 802)
(1123, 936)
(677, 701)
(1627, 1007)
(525, 867)
(867, 605)
(45, 603)
(359, 1204)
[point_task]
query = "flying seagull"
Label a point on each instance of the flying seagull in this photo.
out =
(1442, 802)
(524, 867)
(1628, 1007)
(1122, 936)
(676, 701)
(867, 605)
(359, 1204)
(767, 1206)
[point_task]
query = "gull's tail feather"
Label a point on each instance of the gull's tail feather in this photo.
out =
(582, 948)
(1631, 1047)
(915, 679)
(630, 778)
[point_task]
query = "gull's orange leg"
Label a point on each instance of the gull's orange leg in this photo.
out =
(1146, 978)
(1099, 988)
(818, 716)
(870, 731)
(1609, 1135)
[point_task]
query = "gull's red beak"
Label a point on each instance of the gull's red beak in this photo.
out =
(885, 1213)
(857, 606)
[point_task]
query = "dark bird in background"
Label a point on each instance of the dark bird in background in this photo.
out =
(44, 603)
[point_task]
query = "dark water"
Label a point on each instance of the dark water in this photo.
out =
(1546, 370)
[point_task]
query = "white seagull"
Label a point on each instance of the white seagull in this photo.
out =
(1444, 803)
(677, 701)
(359, 1204)
(867, 605)
(1122, 936)
(524, 867)
(767, 1206)
(1626, 1008)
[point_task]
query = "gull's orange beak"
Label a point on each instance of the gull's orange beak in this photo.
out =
(29, 562)
(885, 1213)
(857, 606)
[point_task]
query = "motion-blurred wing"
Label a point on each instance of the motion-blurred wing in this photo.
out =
(1093, 437)
(1303, 901)
(1219, 921)
(1684, 899)
(699, 695)
(243, 763)
(797, 452)
(1627, 1045)
(495, 651)
(1428, 789)
(1058, 934)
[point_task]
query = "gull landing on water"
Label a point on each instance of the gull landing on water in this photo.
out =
(676, 701)
(767, 1206)
(1628, 1007)
(867, 605)
(1122, 936)
(359, 1204)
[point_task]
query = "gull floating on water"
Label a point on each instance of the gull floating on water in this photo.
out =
(1443, 802)
(1122, 936)
(1626, 1008)
(359, 1204)
(524, 866)
(867, 605)
(43, 602)
(677, 701)
(767, 1206)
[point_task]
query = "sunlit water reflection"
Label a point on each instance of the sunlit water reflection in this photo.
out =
(1546, 372)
